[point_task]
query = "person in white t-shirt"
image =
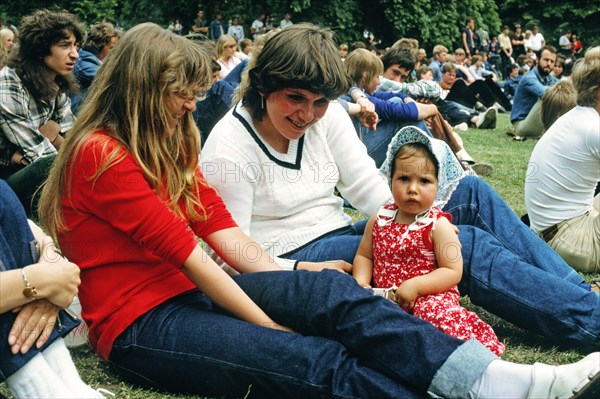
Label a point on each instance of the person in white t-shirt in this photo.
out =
(563, 172)
(236, 30)
(258, 26)
(286, 21)
(537, 40)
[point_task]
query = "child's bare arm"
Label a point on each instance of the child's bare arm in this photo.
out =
(362, 269)
(447, 250)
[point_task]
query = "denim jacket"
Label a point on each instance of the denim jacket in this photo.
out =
(530, 89)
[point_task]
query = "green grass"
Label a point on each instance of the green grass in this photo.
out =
(509, 159)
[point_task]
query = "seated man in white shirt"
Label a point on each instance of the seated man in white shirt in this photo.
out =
(563, 171)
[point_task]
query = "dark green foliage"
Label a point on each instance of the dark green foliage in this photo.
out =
(430, 21)
(554, 17)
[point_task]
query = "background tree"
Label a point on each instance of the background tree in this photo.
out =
(554, 17)
(430, 21)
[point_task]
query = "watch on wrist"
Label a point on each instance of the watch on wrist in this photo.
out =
(29, 291)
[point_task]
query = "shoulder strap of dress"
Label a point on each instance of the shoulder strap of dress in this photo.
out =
(386, 214)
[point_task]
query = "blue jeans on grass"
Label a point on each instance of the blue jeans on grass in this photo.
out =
(508, 269)
(347, 344)
(18, 248)
(511, 272)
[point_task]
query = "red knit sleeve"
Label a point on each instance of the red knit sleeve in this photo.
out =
(218, 217)
(122, 198)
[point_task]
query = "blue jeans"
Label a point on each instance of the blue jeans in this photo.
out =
(508, 269)
(511, 272)
(18, 248)
(347, 344)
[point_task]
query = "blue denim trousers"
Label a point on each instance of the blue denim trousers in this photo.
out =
(346, 343)
(18, 248)
(511, 272)
(508, 269)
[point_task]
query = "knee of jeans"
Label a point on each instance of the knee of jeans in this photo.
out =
(337, 281)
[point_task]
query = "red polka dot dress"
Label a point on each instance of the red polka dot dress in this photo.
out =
(401, 253)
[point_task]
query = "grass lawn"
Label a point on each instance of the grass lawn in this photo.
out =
(510, 164)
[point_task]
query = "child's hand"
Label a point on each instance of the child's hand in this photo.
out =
(407, 294)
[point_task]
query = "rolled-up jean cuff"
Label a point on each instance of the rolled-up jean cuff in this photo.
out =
(458, 374)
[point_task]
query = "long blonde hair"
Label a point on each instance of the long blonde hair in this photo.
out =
(127, 100)
(223, 42)
(5, 33)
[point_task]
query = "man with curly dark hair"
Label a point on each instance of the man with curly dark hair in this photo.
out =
(35, 111)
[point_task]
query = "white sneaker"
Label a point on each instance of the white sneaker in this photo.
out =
(579, 380)
(487, 119)
(462, 127)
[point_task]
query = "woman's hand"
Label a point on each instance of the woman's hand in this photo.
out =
(54, 277)
(339, 265)
(33, 324)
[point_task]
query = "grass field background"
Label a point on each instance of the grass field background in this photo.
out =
(509, 159)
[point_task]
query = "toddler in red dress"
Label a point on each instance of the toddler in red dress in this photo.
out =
(412, 245)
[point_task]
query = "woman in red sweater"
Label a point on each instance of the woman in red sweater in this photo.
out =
(126, 200)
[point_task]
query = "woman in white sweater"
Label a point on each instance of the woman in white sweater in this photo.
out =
(280, 188)
(279, 155)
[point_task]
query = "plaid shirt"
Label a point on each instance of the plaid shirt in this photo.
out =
(420, 89)
(21, 117)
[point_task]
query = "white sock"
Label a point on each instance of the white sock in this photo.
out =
(36, 379)
(58, 357)
(502, 379)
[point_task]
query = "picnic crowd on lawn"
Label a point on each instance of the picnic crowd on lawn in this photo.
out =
(189, 187)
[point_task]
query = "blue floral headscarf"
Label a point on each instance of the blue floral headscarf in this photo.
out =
(449, 171)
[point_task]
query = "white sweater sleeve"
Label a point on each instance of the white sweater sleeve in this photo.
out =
(236, 188)
(360, 181)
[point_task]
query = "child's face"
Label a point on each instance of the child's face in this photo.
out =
(558, 69)
(414, 186)
(396, 73)
(449, 77)
(479, 63)
(514, 72)
(427, 75)
(372, 84)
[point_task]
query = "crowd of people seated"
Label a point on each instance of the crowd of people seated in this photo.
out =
(139, 143)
